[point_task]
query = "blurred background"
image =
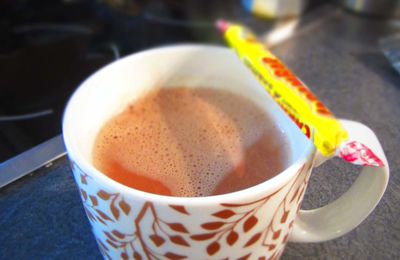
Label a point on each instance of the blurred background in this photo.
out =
(47, 47)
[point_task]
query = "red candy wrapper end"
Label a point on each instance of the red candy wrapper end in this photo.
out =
(222, 25)
(356, 153)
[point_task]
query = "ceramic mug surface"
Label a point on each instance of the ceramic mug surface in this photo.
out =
(254, 223)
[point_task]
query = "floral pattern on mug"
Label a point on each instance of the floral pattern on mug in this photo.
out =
(177, 232)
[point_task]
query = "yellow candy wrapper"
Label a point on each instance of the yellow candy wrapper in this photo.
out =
(299, 103)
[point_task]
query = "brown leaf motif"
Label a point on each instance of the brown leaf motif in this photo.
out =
(124, 207)
(124, 256)
(109, 236)
(202, 237)
(231, 205)
(232, 238)
(178, 227)
(245, 257)
(93, 199)
(249, 223)
(213, 248)
(212, 225)
(179, 240)
(114, 211)
(101, 220)
(157, 240)
(103, 195)
(137, 256)
(84, 195)
(284, 217)
(226, 213)
(111, 243)
(180, 209)
(174, 256)
(83, 179)
(276, 235)
(118, 234)
(253, 239)
(103, 215)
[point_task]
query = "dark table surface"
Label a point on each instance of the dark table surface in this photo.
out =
(337, 55)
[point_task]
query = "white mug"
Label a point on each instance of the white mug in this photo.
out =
(254, 223)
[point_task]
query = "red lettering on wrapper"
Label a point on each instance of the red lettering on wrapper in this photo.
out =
(280, 71)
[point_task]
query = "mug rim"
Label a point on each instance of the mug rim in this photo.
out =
(87, 167)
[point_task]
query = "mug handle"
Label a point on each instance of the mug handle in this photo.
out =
(349, 210)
